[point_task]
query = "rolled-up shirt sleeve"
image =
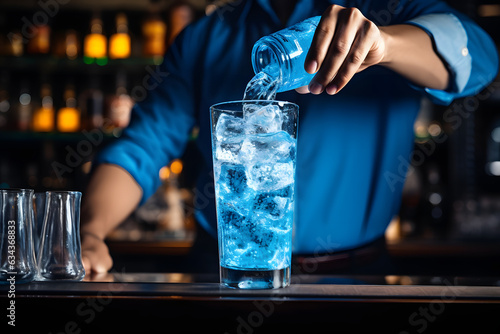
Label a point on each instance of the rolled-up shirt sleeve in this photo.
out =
(468, 52)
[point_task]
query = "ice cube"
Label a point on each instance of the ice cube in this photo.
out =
(276, 147)
(270, 176)
(273, 207)
(259, 232)
(229, 128)
(268, 119)
(232, 179)
(228, 152)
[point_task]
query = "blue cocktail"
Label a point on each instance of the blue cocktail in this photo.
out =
(254, 156)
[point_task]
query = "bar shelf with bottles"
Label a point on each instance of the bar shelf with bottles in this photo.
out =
(65, 88)
(68, 70)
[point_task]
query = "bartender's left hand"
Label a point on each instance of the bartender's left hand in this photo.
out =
(345, 43)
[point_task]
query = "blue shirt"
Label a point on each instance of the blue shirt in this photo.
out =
(353, 148)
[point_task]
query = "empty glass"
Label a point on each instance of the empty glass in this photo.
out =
(59, 254)
(39, 213)
(17, 257)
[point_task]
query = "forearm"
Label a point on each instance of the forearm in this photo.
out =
(111, 196)
(409, 52)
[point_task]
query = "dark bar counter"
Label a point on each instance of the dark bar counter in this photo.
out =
(195, 303)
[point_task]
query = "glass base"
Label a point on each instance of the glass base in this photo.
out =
(5, 278)
(254, 279)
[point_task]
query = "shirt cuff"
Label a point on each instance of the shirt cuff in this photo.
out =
(450, 42)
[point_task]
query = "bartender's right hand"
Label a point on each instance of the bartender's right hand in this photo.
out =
(95, 254)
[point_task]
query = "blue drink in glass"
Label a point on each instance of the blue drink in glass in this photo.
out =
(254, 156)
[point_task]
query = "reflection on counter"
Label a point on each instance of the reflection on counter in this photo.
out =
(302, 279)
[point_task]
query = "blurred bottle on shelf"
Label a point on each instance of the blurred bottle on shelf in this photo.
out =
(119, 43)
(93, 104)
(40, 42)
(5, 105)
(69, 117)
(66, 44)
(180, 14)
(44, 117)
(24, 108)
(120, 104)
(95, 43)
(154, 32)
(12, 44)
(4, 109)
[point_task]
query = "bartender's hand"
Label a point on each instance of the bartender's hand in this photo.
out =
(346, 42)
(95, 254)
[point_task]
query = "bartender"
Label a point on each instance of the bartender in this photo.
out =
(373, 59)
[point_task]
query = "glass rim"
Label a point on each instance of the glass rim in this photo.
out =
(279, 102)
(62, 192)
(17, 190)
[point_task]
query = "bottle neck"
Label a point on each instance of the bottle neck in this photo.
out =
(270, 56)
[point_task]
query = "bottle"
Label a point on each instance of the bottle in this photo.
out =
(94, 44)
(4, 100)
(24, 108)
(4, 109)
(120, 104)
(154, 32)
(40, 43)
(66, 44)
(119, 43)
(72, 48)
(282, 54)
(180, 15)
(16, 42)
(68, 117)
(43, 117)
(94, 104)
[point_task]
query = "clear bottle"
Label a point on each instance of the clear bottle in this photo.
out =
(283, 53)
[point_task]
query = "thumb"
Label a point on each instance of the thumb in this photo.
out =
(303, 90)
(87, 265)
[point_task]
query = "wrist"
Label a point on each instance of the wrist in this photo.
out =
(388, 40)
(92, 230)
(85, 234)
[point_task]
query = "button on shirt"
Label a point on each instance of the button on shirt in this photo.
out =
(353, 148)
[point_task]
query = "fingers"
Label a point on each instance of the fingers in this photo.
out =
(96, 262)
(87, 264)
(350, 66)
(337, 54)
(321, 40)
(95, 256)
(340, 48)
(303, 90)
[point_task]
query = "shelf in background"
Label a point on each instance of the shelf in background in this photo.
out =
(17, 136)
(51, 63)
